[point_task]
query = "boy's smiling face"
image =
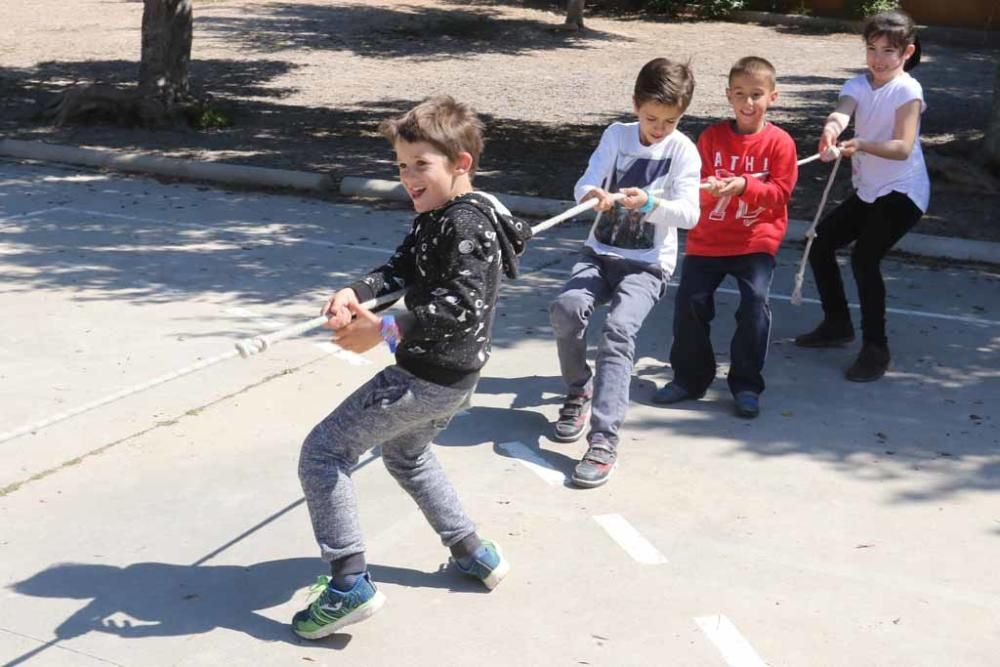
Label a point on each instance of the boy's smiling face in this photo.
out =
(750, 95)
(656, 121)
(431, 179)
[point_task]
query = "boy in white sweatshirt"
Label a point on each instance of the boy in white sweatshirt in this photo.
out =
(627, 258)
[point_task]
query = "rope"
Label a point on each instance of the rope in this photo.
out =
(811, 232)
(244, 348)
(251, 346)
(807, 160)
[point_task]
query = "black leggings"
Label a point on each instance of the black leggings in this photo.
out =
(875, 227)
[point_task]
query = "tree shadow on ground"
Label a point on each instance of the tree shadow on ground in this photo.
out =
(927, 431)
(522, 157)
(411, 32)
(143, 261)
(926, 428)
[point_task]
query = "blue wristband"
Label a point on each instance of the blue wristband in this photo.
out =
(650, 203)
(389, 331)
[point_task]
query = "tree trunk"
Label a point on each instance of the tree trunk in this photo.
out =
(993, 127)
(166, 51)
(163, 97)
(574, 13)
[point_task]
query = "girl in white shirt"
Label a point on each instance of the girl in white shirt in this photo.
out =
(891, 183)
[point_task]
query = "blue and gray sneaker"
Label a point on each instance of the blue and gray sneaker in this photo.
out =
(487, 564)
(334, 609)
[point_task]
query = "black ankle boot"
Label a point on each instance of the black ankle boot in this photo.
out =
(829, 333)
(871, 364)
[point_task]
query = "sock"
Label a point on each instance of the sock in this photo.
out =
(344, 572)
(465, 549)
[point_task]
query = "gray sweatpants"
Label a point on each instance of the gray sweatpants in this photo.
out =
(402, 414)
(630, 290)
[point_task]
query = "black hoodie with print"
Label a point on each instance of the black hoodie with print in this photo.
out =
(450, 263)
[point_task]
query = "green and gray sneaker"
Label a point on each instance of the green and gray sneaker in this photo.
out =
(334, 609)
(487, 564)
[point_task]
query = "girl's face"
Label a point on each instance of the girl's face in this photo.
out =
(885, 61)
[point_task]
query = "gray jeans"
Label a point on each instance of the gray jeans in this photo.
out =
(402, 414)
(631, 290)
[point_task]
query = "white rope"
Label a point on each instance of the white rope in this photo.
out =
(251, 346)
(245, 348)
(832, 151)
(811, 232)
(760, 174)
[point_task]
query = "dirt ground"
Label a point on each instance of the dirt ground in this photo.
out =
(306, 82)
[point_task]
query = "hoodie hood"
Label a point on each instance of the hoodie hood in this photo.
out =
(512, 232)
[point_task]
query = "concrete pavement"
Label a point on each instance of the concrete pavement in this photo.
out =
(849, 524)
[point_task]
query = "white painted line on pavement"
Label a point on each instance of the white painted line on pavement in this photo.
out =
(344, 355)
(32, 214)
(530, 459)
(897, 311)
(735, 650)
(256, 317)
(630, 539)
(784, 297)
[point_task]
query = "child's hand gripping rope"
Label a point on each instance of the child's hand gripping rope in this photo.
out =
(830, 154)
(337, 312)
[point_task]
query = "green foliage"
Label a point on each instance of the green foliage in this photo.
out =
(707, 9)
(859, 9)
(717, 8)
(205, 117)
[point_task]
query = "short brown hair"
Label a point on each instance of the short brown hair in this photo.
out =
(449, 126)
(753, 66)
(665, 81)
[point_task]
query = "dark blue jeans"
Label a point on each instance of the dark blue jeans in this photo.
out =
(691, 354)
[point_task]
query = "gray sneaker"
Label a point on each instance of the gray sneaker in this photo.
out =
(573, 418)
(596, 466)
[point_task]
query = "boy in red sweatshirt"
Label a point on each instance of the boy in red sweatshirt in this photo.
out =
(749, 170)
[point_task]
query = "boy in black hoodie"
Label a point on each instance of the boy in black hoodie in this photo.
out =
(450, 264)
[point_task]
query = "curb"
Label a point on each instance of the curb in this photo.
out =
(377, 188)
(165, 166)
(925, 245)
(928, 33)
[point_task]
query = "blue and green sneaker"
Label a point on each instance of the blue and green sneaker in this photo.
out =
(487, 564)
(334, 609)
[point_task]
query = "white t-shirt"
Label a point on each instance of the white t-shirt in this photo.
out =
(672, 165)
(875, 119)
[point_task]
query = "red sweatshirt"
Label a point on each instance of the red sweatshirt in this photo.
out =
(756, 220)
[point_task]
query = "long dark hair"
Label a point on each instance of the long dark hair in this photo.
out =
(899, 29)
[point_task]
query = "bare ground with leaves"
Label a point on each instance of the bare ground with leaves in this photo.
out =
(306, 82)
